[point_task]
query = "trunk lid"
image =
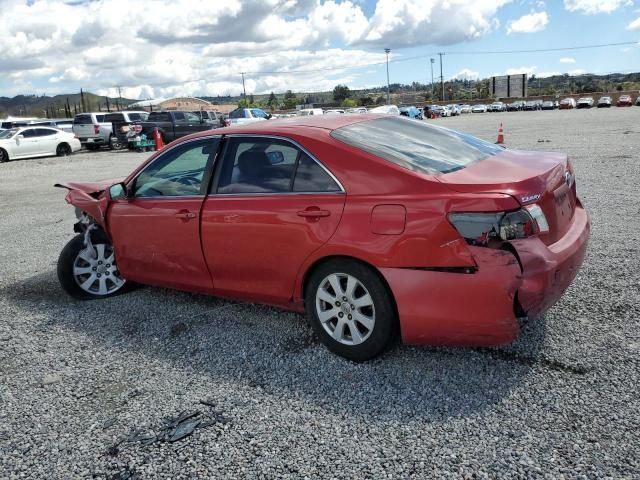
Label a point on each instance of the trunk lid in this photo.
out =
(542, 178)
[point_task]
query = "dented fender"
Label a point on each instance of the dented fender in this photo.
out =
(91, 197)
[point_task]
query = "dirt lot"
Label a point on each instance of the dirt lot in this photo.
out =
(91, 389)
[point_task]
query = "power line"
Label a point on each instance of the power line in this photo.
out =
(452, 52)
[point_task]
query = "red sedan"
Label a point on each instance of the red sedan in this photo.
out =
(372, 224)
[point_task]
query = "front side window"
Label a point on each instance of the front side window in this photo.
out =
(159, 117)
(99, 118)
(270, 165)
(415, 145)
(29, 133)
(179, 172)
(114, 117)
(257, 113)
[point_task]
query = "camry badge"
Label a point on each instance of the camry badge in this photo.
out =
(530, 198)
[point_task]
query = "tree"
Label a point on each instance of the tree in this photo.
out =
(364, 101)
(251, 98)
(290, 100)
(341, 92)
(349, 103)
(272, 100)
(381, 100)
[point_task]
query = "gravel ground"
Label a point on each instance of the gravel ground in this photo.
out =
(94, 389)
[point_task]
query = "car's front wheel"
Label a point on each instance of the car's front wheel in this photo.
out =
(350, 309)
(86, 273)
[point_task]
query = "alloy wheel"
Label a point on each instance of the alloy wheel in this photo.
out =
(96, 272)
(345, 309)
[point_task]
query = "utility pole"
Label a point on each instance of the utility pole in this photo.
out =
(387, 50)
(244, 91)
(441, 77)
(433, 93)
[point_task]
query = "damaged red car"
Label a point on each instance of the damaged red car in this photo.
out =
(371, 224)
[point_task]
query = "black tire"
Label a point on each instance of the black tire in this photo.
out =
(66, 277)
(4, 156)
(385, 324)
(114, 143)
(63, 150)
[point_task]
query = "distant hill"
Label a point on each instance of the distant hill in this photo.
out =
(44, 106)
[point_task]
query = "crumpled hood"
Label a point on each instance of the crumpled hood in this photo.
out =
(89, 187)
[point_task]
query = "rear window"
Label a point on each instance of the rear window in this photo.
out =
(82, 120)
(239, 113)
(414, 145)
(114, 117)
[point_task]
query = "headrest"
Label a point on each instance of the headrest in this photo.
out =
(253, 163)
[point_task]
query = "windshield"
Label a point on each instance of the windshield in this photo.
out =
(8, 133)
(416, 146)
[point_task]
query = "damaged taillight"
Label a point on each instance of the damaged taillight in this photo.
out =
(96, 129)
(483, 229)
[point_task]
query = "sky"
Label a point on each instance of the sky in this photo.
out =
(158, 48)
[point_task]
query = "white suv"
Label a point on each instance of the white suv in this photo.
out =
(241, 116)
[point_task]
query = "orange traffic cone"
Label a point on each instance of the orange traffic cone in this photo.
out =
(500, 140)
(158, 139)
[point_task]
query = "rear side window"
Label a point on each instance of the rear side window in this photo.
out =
(414, 145)
(134, 117)
(29, 133)
(270, 165)
(159, 117)
(82, 120)
(238, 113)
(99, 118)
(45, 132)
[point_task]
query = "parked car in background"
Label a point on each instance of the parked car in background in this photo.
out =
(515, 106)
(305, 112)
(92, 130)
(38, 141)
(240, 116)
(334, 111)
(638, 101)
(497, 107)
(374, 232)
(357, 110)
(624, 101)
(454, 109)
(567, 103)
(64, 124)
(215, 119)
(585, 102)
(466, 108)
(411, 112)
(548, 105)
(604, 102)
(386, 109)
(480, 108)
(532, 105)
(173, 124)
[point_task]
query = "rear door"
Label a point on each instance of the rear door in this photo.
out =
(272, 206)
(27, 143)
(47, 141)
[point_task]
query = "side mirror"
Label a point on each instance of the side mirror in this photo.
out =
(19, 137)
(118, 191)
(269, 116)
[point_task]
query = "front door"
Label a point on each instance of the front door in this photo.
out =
(271, 207)
(156, 232)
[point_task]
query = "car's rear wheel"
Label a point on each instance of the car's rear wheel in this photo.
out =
(350, 309)
(63, 150)
(87, 273)
(4, 156)
(115, 143)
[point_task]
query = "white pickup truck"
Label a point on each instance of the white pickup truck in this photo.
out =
(241, 116)
(92, 130)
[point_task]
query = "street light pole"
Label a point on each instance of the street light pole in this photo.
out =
(243, 89)
(441, 77)
(387, 50)
(433, 60)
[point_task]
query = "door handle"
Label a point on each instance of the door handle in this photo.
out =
(313, 213)
(186, 215)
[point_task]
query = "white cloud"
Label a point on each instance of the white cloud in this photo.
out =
(528, 70)
(533, 22)
(591, 7)
(185, 47)
(567, 60)
(577, 71)
(635, 25)
(466, 74)
(547, 74)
